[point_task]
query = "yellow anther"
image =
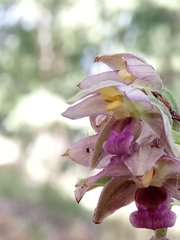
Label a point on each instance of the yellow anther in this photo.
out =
(146, 179)
(113, 105)
(112, 96)
(127, 77)
(109, 94)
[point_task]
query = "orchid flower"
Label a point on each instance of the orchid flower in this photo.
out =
(110, 97)
(134, 161)
(110, 91)
(133, 145)
(131, 69)
(147, 177)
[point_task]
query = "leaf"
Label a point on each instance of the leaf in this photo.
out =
(176, 137)
(169, 97)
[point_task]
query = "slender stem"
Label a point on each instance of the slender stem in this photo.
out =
(161, 232)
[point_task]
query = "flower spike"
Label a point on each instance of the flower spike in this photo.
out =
(136, 142)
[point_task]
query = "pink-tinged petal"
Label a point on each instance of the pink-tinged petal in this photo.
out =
(136, 95)
(142, 160)
(159, 123)
(97, 122)
(145, 73)
(93, 105)
(81, 151)
(104, 160)
(116, 194)
(113, 61)
(153, 83)
(98, 78)
(94, 89)
(133, 94)
(146, 77)
(173, 188)
(168, 166)
(89, 150)
(113, 170)
(147, 135)
(137, 66)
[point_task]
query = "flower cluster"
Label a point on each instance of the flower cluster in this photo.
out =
(134, 144)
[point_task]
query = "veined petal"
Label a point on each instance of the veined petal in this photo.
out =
(114, 61)
(97, 122)
(133, 94)
(169, 171)
(172, 187)
(136, 95)
(159, 123)
(93, 89)
(145, 73)
(81, 151)
(147, 135)
(168, 166)
(137, 66)
(146, 77)
(116, 194)
(142, 160)
(166, 173)
(113, 170)
(153, 83)
(90, 106)
(98, 78)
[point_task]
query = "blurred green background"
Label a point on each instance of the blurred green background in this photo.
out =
(46, 48)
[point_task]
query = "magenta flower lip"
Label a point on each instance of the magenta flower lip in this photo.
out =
(153, 212)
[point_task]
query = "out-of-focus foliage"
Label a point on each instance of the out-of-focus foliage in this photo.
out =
(47, 47)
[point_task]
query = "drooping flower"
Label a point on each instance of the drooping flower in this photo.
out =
(109, 98)
(146, 177)
(133, 70)
(132, 170)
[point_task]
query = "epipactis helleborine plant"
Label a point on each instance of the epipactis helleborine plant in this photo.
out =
(135, 145)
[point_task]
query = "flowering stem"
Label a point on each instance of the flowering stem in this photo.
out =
(161, 232)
